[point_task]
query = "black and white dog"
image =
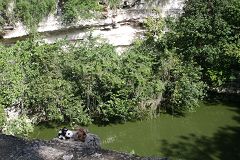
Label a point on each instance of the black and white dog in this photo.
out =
(80, 135)
(65, 133)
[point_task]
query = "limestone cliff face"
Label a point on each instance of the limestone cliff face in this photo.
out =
(120, 26)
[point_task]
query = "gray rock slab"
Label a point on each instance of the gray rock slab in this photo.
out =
(15, 148)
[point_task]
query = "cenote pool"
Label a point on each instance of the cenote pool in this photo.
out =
(211, 132)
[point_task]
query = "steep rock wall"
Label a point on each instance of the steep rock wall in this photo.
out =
(120, 27)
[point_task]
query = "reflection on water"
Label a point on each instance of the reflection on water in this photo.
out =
(207, 133)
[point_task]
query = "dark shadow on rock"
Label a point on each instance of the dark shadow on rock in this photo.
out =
(223, 145)
(16, 148)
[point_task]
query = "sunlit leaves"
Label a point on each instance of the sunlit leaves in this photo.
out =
(208, 33)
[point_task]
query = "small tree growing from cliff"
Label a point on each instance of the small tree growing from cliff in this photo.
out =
(32, 12)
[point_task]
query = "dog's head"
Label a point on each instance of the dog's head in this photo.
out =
(81, 134)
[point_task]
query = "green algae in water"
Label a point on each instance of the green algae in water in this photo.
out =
(209, 133)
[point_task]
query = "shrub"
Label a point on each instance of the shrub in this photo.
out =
(32, 12)
(74, 9)
(21, 126)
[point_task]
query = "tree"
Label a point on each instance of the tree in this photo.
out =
(31, 79)
(183, 87)
(208, 33)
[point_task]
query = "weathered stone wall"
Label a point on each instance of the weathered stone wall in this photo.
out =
(119, 28)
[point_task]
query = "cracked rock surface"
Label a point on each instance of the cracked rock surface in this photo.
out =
(14, 148)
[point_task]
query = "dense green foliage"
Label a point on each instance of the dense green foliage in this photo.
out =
(31, 77)
(55, 86)
(95, 73)
(182, 80)
(208, 33)
(88, 81)
(20, 126)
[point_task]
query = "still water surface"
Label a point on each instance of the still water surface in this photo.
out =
(211, 132)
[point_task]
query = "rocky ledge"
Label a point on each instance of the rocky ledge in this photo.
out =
(12, 148)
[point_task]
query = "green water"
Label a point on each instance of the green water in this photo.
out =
(211, 132)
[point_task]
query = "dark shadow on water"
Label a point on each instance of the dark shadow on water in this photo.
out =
(223, 145)
(215, 98)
